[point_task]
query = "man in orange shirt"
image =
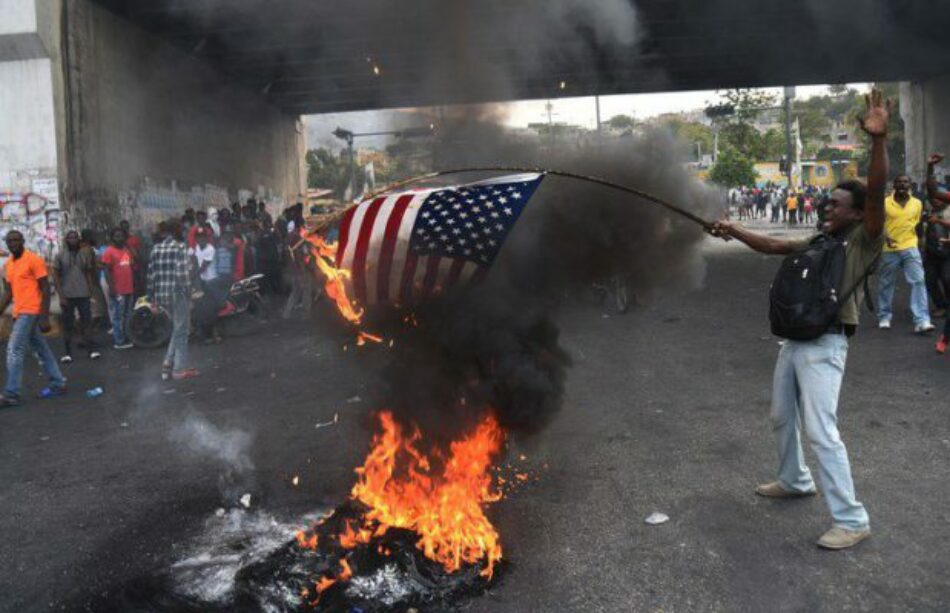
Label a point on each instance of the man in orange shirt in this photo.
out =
(28, 288)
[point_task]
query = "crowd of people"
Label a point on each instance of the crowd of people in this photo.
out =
(97, 282)
(780, 204)
(918, 226)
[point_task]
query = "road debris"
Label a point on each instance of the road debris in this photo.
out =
(246, 501)
(655, 519)
(324, 424)
(353, 399)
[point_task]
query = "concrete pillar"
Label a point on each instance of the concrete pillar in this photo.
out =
(113, 122)
(153, 130)
(926, 124)
(30, 121)
(915, 131)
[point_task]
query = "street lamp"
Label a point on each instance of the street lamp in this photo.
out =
(348, 136)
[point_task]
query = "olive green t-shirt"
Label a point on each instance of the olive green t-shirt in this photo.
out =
(860, 251)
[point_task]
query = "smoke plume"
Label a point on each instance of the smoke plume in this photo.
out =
(496, 344)
(230, 448)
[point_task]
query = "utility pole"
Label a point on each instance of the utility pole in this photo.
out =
(597, 111)
(789, 145)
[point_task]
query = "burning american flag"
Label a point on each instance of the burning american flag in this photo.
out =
(402, 248)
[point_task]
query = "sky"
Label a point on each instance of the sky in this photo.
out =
(575, 111)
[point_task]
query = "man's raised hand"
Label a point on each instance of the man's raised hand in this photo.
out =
(874, 122)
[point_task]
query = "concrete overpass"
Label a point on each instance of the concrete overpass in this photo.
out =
(120, 107)
(314, 57)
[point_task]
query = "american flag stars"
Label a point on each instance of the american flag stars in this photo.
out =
(485, 212)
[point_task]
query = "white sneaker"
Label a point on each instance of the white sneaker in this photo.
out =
(923, 328)
(884, 324)
(66, 359)
(94, 355)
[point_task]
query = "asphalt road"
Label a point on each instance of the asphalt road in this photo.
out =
(666, 410)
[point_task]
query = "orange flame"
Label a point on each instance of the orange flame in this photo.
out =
(446, 509)
(306, 542)
(366, 336)
(335, 278)
(324, 583)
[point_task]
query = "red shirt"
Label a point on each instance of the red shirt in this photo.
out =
(238, 259)
(134, 243)
(119, 264)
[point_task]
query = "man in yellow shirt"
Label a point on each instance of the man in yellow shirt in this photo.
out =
(791, 205)
(903, 213)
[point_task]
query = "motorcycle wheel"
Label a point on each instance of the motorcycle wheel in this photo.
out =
(248, 321)
(147, 329)
(621, 295)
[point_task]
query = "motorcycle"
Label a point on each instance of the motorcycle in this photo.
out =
(615, 286)
(150, 324)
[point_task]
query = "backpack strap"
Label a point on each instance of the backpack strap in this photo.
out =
(863, 280)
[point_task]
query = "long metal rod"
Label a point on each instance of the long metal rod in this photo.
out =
(707, 225)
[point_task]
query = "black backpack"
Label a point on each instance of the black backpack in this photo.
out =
(806, 295)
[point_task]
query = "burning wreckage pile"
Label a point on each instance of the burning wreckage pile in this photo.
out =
(470, 356)
(414, 530)
(472, 366)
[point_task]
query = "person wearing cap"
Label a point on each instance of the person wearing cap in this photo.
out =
(27, 287)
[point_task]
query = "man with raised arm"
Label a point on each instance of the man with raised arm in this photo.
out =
(808, 373)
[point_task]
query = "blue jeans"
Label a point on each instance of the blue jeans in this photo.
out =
(27, 332)
(176, 357)
(805, 392)
(120, 308)
(910, 262)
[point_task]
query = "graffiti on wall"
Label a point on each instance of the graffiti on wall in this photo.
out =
(36, 214)
(151, 203)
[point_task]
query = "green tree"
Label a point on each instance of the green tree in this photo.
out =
(734, 114)
(744, 138)
(747, 103)
(621, 123)
(813, 124)
(838, 89)
(326, 170)
(732, 169)
(688, 133)
(773, 142)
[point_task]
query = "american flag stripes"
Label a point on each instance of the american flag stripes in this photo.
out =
(402, 248)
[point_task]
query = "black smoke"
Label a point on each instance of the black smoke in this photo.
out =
(496, 344)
